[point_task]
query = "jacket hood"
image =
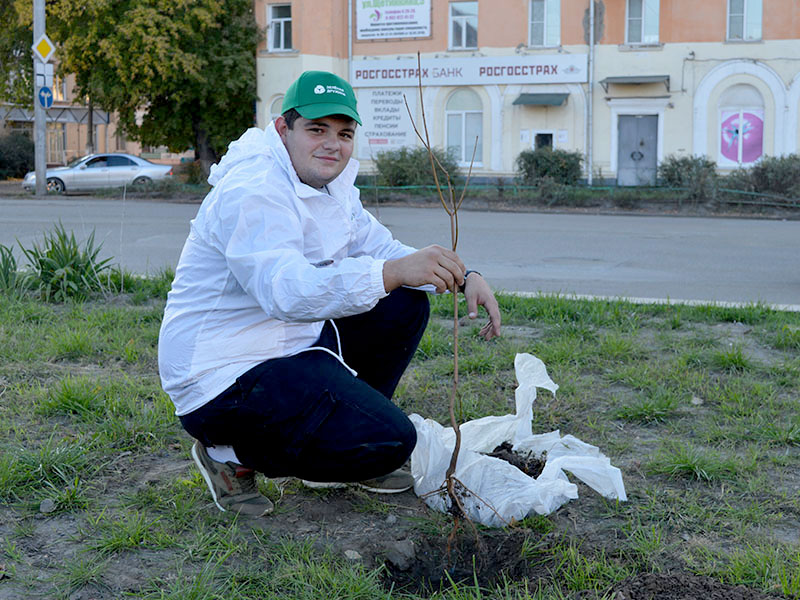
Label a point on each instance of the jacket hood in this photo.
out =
(267, 142)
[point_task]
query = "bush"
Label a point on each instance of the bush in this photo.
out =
(561, 166)
(17, 155)
(192, 173)
(64, 269)
(738, 179)
(697, 174)
(778, 175)
(413, 167)
(12, 282)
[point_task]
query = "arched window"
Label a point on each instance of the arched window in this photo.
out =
(275, 108)
(464, 123)
(741, 118)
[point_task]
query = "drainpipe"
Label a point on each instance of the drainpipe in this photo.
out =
(590, 108)
(349, 39)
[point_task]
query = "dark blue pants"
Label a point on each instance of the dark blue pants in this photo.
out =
(307, 416)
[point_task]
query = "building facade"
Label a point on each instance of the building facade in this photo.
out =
(626, 86)
(68, 127)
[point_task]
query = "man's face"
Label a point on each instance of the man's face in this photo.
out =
(319, 148)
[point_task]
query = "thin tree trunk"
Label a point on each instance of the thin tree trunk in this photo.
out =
(203, 152)
(90, 149)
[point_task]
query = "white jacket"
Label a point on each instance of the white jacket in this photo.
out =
(268, 259)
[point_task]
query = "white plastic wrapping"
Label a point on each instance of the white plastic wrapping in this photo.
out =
(498, 491)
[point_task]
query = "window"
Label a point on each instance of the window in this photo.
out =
(642, 23)
(59, 89)
(56, 142)
(463, 25)
(275, 108)
(121, 142)
(97, 163)
(464, 114)
(543, 139)
(280, 27)
(545, 29)
(744, 20)
(120, 161)
(21, 127)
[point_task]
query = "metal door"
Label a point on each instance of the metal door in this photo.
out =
(121, 170)
(638, 143)
(92, 174)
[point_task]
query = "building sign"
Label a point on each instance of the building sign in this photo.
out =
(387, 125)
(741, 136)
(381, 19)
(523, 70)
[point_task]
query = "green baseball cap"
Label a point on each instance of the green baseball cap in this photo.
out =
(317, 94)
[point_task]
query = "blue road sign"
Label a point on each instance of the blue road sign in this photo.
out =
(45, 97)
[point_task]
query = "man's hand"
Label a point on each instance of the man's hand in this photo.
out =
(477, 292)
(434, 264)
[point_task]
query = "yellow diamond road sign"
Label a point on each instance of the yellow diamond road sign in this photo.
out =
(43, 48)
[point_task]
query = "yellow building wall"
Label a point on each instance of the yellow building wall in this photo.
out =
(692, 44)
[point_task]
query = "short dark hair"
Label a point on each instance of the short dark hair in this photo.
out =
(291, 115)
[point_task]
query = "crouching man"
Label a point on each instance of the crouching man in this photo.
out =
(294, 313)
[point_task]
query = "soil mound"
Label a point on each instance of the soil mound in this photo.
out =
(516, 555)
(468, 559)
(683, 586)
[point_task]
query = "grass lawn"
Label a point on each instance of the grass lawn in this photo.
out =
(697, 405)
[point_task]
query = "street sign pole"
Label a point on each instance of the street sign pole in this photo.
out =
(40, 126)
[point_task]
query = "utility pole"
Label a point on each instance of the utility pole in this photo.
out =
(590, 108)
(40, 125)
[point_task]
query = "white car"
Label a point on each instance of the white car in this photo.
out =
(97, 171)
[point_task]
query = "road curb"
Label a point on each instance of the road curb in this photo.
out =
(669, 301)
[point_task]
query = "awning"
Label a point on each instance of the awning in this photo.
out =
(542, 99)
(635, 80)
(55, 114)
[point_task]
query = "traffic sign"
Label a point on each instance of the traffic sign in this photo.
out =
(43, 48)
(45, 97)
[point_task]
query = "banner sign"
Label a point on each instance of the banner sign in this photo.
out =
(523, 70)
(382, 19)
(741, 136)
(387, 125)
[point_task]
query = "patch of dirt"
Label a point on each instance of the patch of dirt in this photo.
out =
(682, 586)
(515, 555)
(437, 562)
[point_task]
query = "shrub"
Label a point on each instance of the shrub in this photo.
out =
(17, 155)
(12, 282)
(413, 167)
(738, 179)
(552, 191)
(561, 166)
(64, 269)
(697, 174)
(777, 175)
(192, 173)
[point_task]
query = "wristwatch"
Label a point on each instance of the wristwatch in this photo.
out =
(462, 287)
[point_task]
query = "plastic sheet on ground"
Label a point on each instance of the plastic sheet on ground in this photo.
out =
(498, 492)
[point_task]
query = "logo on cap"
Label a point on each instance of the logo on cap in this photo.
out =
(320, 89)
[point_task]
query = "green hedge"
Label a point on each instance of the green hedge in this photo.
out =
(413, 167)
(557, 166)
(697, 174)
(16, 155)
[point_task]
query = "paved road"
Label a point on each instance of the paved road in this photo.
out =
(737, 260)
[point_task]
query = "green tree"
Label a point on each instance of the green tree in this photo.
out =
(16, 58)
(178, 72)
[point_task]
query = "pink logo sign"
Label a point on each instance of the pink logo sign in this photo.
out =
(745, 129)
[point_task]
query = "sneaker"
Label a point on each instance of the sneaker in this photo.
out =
(394, 483)
(232, 486)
